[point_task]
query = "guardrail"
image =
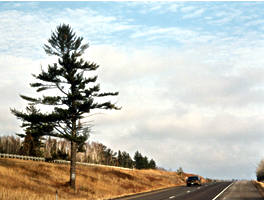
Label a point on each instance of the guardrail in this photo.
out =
(41, 159)
(3, 155)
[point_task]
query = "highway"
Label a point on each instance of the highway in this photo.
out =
(241, 190)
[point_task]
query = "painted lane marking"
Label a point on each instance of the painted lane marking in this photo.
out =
(222, 191)
(146, 194)
(172, 197)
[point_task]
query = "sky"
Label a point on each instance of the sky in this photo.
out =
(190, 77)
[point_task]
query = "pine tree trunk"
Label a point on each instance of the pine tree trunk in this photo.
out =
(73, 165)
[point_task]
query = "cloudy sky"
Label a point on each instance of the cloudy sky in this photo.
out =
(190, 76)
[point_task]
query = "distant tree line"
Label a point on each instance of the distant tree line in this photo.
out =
(93, 152)
(10, 145)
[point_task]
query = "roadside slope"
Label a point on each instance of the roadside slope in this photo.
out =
(21, 179)
(260, 187)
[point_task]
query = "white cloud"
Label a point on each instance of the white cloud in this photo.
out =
(173, 7)
(174, 33)
(187, 9)
(224, 17)
(175, 105)
(196, 13)
(255, 22)
(22, 39)
(160, 7)
(15, 77)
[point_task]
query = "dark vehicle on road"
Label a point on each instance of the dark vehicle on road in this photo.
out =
(193, 180)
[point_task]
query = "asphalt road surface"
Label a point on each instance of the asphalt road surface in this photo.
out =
(241, 190)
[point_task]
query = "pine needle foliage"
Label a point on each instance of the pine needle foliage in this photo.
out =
(34, 131)
(77, 93)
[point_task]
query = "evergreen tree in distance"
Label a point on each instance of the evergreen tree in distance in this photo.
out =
(142, 162)
(152, 164)
(76, 93)
(34, 131)
(139, 160)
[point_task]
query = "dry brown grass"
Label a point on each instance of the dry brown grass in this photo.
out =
(260, 187)
(30, 180)
(261, 184)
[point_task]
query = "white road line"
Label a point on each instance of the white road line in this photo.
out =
(172, 197)
(222, 191)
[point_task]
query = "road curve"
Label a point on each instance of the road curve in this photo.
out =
(204, 192)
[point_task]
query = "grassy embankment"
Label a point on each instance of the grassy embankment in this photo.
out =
(30, 180)
(260, 187)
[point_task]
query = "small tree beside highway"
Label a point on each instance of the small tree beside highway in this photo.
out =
(260, 171)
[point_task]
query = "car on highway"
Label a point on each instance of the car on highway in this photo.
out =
(193, 180)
